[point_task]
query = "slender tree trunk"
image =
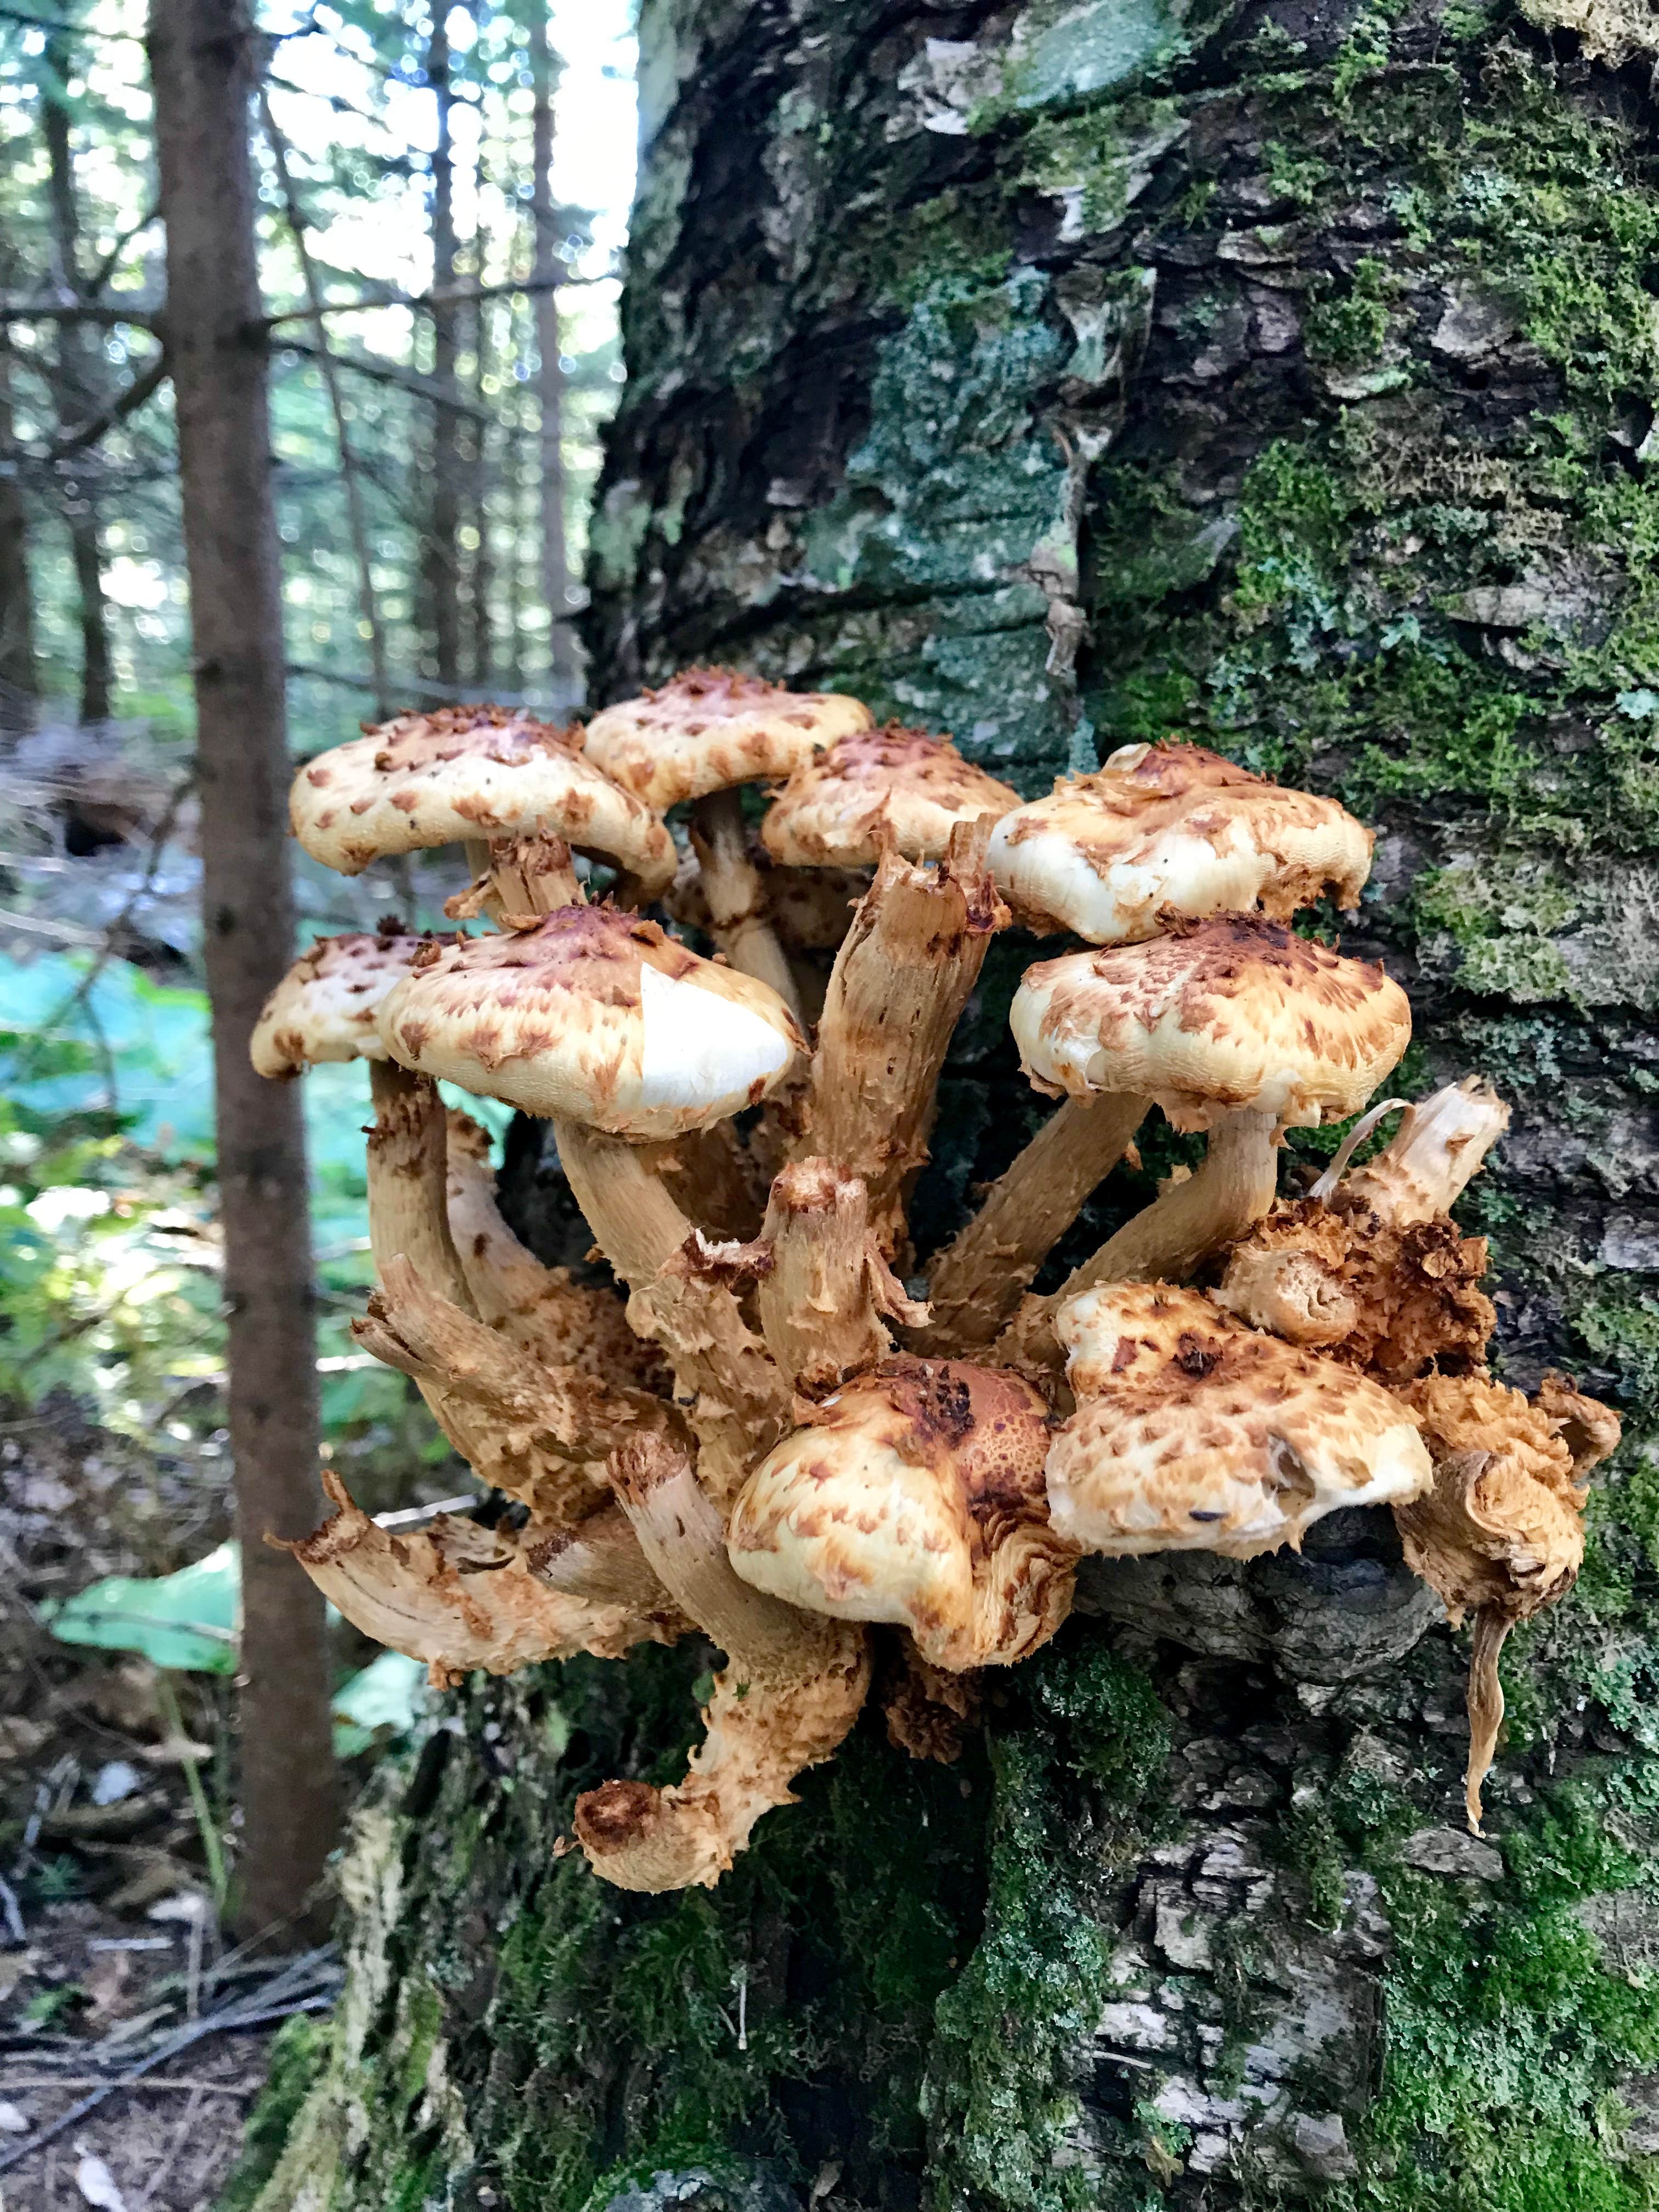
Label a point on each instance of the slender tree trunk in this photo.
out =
(550, 376)
(440, 547)
(1062, 377)
(481, 487)
(81, 382)
(202, 71)
(20, 678)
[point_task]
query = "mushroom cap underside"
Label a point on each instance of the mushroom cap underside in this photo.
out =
(1235, 1012)
(596, 1016)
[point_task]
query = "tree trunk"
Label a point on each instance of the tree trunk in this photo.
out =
(202, 65)
(1062, 377)
(81, 388)
(550, 376)
(441, 541)
(20, 675)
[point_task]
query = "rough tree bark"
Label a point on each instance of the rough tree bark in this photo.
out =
(202, 56)
(1064, 374)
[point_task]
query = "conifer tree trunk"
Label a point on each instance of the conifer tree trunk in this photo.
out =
(1061, 377)
(203, 60)
(440, 540)
(555, 571)
(20, 682)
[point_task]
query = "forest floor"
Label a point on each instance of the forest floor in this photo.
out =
(115, 1982)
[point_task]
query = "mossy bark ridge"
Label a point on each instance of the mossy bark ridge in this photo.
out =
(1062, 376)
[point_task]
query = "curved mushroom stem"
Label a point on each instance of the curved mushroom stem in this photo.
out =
(1486, 1704)
(543, 1434)
(1432, 1156)
(600, 1560)
(460, 1597)
(975, 1282)
(824, 1302)
(408, 1179)
(1234, 1186)
(711, 1176)
(516, 881)
(790, 1690)
(682, 1300)
(737, 898)
(905, 970)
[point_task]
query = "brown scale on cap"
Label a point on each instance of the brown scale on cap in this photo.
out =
(710, 729)
(1235, 1011)
(915, 1495)
(1169, 830)
(470, 773)
(324, 1008)
(838, 806)
(1501, 1534)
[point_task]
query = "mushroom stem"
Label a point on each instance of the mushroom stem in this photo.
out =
(599, 1561)
(791, 1689)
(975, 1282)
(1432, 1156)
(904, 972)
(681, 1300)
(408, 1178)
(541, 1433)
(736, 896)
(517, 881)
(1486, 1704)
(1233, 1187)
(710, 1175)
(823, 1305)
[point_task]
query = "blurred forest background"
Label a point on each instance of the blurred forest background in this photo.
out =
(443, 205)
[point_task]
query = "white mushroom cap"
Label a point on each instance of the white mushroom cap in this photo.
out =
(1193, 1433)
(711, 729)
(1172, 829)
(594, 1017)
(916, 1496)
(1225, 1014)
(325, 1006)
(838, 806)
(470, 773)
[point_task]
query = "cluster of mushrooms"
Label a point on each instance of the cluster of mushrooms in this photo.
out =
(775, 1431)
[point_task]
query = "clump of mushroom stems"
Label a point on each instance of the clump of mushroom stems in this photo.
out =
(759, 1266)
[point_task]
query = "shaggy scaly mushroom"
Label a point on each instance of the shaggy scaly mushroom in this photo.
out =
(841, 806)
(324, 1008)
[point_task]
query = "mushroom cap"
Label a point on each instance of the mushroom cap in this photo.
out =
(470, 772)
(596, 1016)
(839, 804)
(914, 1496)
(1192, 1433)
(325, 1006)
(1222, 1014)
(711, 728)
(1172, 829)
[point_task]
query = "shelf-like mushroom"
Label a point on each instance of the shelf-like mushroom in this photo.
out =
(1501, 1534)
(842, 806)
(1193, 1433)
(466, 775)
(914, 1495)
(1172, 828)
(1233, 1025)
(702, 738)
(324, 1007)
(790, 1690)
(460, 1596)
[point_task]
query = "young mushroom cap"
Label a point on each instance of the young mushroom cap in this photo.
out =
(1192, 1433)
(839, 804)
(325, 1006)
(598, 1017)
(712, 728)
(915, 1495)
(470, 773)
(1172, 829)
(1230, 1014)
